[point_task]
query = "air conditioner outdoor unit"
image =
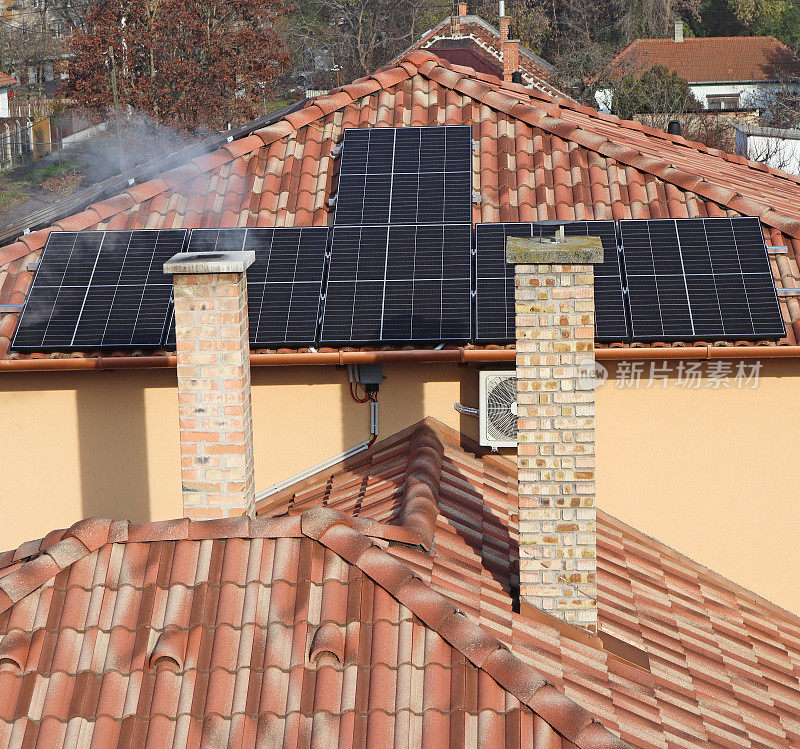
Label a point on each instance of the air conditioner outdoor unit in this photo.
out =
(497, 410)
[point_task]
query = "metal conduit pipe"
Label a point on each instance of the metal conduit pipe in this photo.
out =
(431, 356)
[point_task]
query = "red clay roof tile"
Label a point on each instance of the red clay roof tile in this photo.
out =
(673, 610)
(167, 664)
(713, 59)
(632, 170)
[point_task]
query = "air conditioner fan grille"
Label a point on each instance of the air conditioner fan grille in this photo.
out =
(501, 417)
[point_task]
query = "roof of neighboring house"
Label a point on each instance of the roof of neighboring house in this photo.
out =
(721, 664)
(540, 157)
(714, 59)
(483, 40)
(296, 631)
(7, 80)
(787, 133)
(375, 610)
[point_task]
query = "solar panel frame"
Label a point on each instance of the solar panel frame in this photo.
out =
(493, 276)
(118, 272)
(708, 279)
(405, 175)
(398, 283)
(285, 283)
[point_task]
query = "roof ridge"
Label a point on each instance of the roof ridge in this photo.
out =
(332, 530)
(338, 533)
(704, 38)
(500, 101)
(420, 497)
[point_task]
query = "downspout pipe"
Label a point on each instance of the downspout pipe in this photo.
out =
(419, 356)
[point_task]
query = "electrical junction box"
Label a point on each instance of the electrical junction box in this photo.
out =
(369, 375)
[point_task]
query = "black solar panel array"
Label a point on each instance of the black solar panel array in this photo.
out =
(284, 284)
(495, 316)
(398, 283)
(699, 278)
(400, 247)
(408, 175)
(100, 289)
(396, 267)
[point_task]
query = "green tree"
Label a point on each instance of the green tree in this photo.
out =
(655, 90)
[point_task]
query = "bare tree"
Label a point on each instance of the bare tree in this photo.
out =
(778, 103)
(775, 147)
(358, 35)
(32, 38)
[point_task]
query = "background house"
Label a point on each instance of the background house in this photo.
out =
(727, 72)
(16, 129)
(94, 433)
(6, 83)
(464, 39)
(774, 146)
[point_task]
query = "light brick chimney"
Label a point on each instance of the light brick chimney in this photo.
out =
(213, 348)
(678, 31)
(455, 21)
(555, 406)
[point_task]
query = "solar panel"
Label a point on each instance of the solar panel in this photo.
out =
(699, 278)
(398, 283)
(97, 289)
(284, 284)
(495, 317)
(405, 175)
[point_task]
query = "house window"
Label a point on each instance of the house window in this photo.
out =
(723, 101)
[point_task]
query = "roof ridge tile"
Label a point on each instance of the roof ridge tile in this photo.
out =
(91, 532)
(207, 162)
(467, 637)
(389, 77)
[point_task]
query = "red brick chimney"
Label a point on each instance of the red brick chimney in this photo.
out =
(505, 23)
(556, 429)
(213, 349)
(510, 58)
(455, 21)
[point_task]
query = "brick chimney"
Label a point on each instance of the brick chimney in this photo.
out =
(555, 406)
(213, 348)
(455, 21)
(510, 58)
(505, 23)
(678, 31)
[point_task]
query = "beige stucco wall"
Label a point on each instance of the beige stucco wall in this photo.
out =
(87, 443)
(710, 472)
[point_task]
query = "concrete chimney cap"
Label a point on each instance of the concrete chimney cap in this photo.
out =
(565, 251)
(210, 262)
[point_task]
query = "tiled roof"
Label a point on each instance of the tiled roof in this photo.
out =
(7, 80)
(714, 59)
(294, 631)
(540, 157)
(483, 37)
(722, 664)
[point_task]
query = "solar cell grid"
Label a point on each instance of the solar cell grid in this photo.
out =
(284, 283)
(495, 305)
(699, 279)
(409, 175)
(398, 283)
(100, 289)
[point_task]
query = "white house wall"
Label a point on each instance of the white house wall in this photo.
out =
(746, 91)
(779, 153)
